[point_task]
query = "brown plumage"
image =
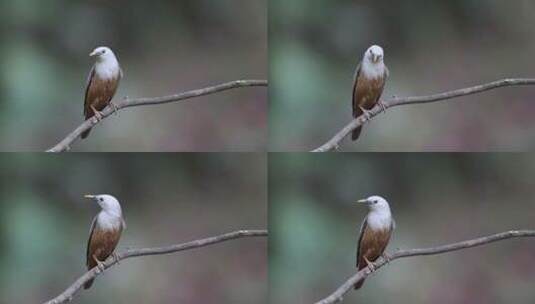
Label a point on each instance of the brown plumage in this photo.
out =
(100, 245)
(366, 93)
(104, 233)
(101, 84)
(371, 245)
(368, 83)
(98, 94)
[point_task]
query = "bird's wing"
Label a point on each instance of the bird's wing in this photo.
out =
(357, 72)
(387, 72)
(361, 233)
(117, 86)
(87, 85)
(93, 223)
(356, 110)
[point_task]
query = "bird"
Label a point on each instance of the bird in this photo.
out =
(375, 233)
(368, 84)
(104, 233)
(101, 83)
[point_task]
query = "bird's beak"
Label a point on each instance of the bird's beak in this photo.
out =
(363, 201)
(93, 54)
(89, 196)
(375, 58)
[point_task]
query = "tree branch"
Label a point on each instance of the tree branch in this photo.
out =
(334, 143)
(64, 145)
(337, 296)
(70, 292)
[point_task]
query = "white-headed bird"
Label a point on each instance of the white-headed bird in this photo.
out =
(105, 232)
(368, 84)
(101, 84)
(375, 233)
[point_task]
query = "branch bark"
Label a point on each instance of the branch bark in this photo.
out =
(337, 296)
(71, 291)
(334, 143)
(64, 145)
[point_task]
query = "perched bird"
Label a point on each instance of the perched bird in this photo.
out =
(374, 234)
(368, 84)
(101, 84)
(105, 232)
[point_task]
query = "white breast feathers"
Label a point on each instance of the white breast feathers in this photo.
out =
(108, 68)
(372, 70)
(109, 221)
(379, 219)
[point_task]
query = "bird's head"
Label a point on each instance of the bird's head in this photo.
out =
(375, 203)
(107, 202)
(374, 54)
(102, 53)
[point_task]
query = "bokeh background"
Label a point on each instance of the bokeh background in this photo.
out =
(166, 199)
(164, 47)
(430, 47)
(435, 199)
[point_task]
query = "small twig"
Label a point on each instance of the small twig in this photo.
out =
(70, 292)
(398, 101)
(64, 145)
(337, 296)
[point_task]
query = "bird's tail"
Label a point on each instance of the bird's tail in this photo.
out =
(88, 114)
(356, 133)
(88, 284)
(361, 266)
(84, 135)
(358, 285)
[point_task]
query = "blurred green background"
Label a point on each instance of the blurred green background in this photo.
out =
(430, 47)
(166, 199)
(164, 47)
(436, 199)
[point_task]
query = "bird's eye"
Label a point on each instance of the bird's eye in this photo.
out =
(100, 199)
(375, 202)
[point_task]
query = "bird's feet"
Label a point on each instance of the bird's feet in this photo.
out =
(97, 114)
(370, 265)
(366, 113)
(100, 265)
(114, 107)
(116, 257)
(383, 106)
(387, 257)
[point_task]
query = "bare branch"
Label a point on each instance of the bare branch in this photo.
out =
(64, 145)
(334, 142)
(70, 292)
(337, 296)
